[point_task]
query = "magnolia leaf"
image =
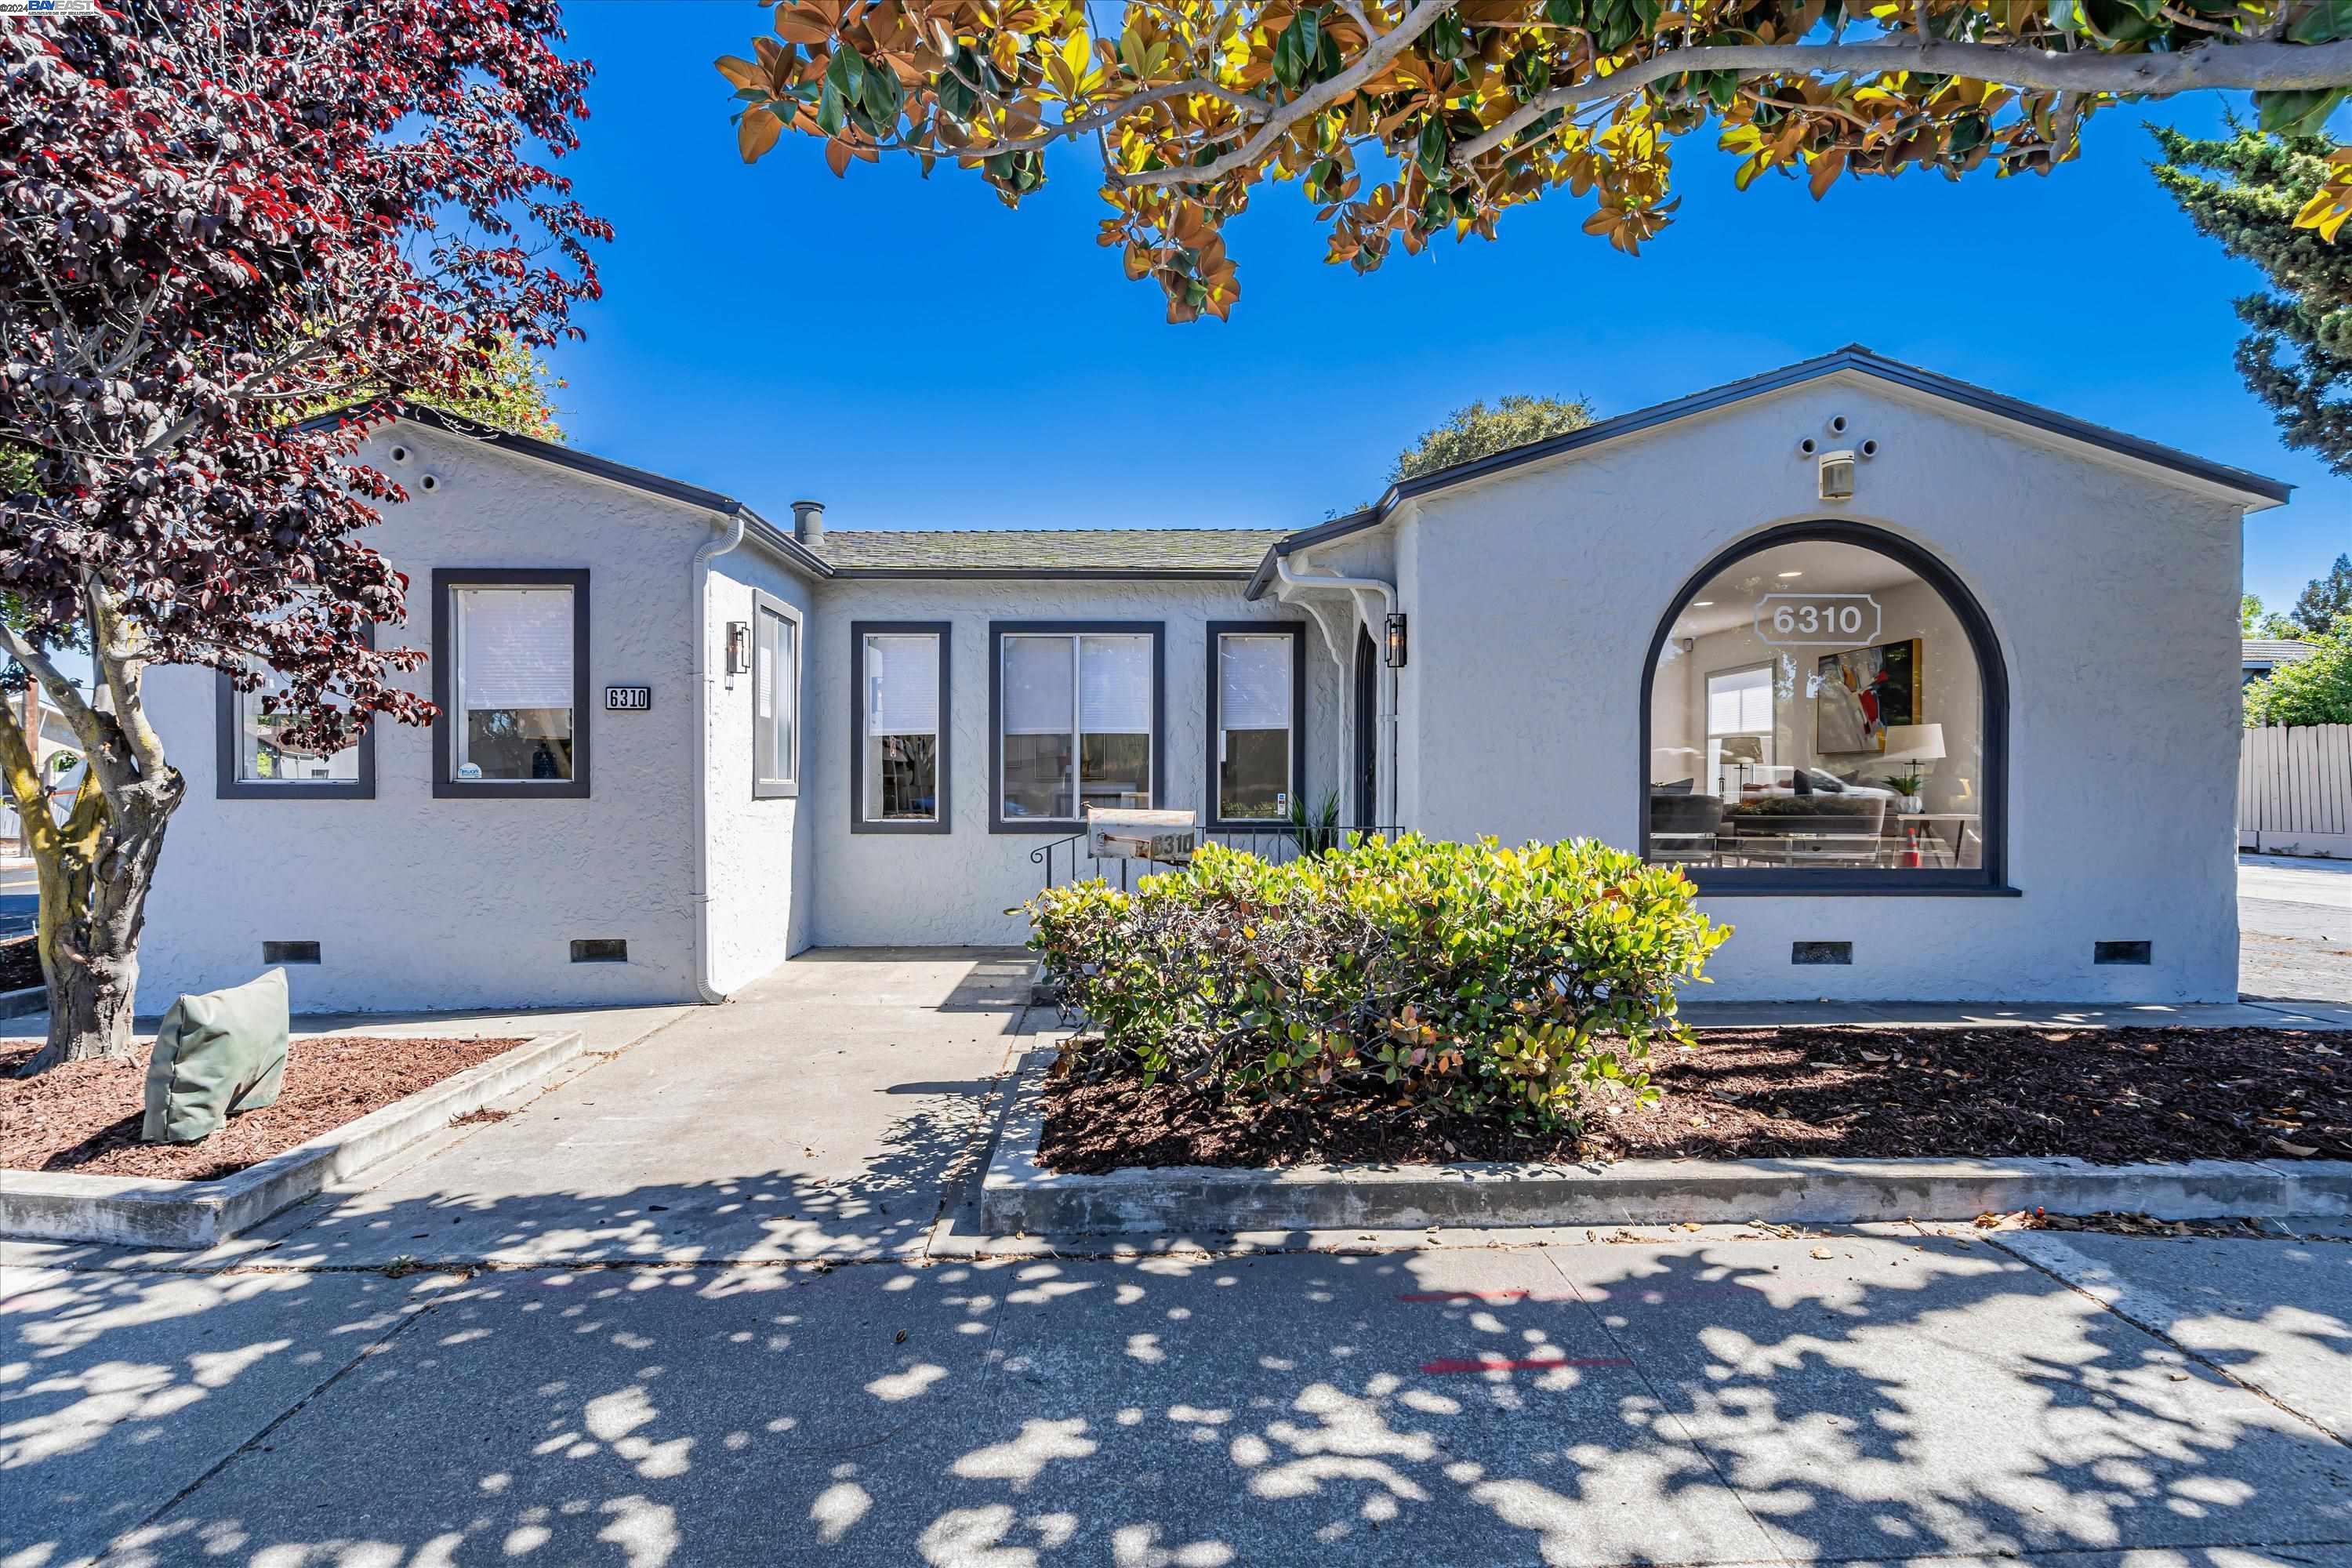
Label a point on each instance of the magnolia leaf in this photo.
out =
(742, 72)
(756, 133)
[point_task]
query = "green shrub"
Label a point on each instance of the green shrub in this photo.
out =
(1479, 979)
(1809, 806)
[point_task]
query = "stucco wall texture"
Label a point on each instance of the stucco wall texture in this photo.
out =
(922, 888)
(416, 901)
(1534, 595)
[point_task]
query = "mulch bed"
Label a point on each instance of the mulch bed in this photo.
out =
(20, 963)
(2109, 1096)
(83, 1116)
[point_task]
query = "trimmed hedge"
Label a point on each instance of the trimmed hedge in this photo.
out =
(1468, 977)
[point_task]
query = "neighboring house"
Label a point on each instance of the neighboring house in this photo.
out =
(2263, 655)
(53, 739)
(1893, 666)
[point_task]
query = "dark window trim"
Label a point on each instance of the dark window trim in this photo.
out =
(997, 632)
(445, 786)
(858, 632)
(1297, 632)
(764, 787)
(228, 787)
(1988, 879)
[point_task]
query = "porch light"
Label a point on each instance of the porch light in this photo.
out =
(1392, 640)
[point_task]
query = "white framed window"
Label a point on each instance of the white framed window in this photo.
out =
(1076, 719)
(509, 656)
(898, 693)
(1257, 676)
(775, 698)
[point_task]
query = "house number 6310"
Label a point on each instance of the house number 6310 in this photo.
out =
(1817, 620)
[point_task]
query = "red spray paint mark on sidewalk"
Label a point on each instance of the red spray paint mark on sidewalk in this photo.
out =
(1420, 1296)
(1522, 1363)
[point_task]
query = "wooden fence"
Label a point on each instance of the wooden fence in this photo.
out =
(2294, 790)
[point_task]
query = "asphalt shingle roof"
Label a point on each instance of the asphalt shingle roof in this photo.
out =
(1195, 552)
(2274, 650)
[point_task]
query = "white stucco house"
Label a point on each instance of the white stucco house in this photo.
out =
(1931, 691)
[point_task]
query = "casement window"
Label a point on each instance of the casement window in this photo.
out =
(510, 676)
(775, 698)
(899, 702)
(255, 763)
(1075, 720)
(1257, 685)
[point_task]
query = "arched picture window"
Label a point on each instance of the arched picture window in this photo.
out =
(1827, 714)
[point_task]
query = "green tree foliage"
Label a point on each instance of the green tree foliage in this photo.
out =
(2325, 598)
(513, 394)
(1479, 431)
(2317, 690)
(2246, 192)
(2253, 621)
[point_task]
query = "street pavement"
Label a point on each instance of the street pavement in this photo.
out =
(2295, 928)
(697, 1303)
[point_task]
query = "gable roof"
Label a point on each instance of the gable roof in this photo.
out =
(1226, 553)
(1210, 553)
(779, 542)
(1853, 358)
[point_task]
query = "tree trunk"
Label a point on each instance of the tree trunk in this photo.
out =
(93, 905)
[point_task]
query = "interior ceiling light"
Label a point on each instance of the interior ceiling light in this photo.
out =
(1792, 573)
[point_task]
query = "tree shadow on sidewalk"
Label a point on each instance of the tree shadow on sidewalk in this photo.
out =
(1683, 1401)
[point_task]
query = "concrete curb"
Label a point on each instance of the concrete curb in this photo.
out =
(142, 1211)
(1020, 1196)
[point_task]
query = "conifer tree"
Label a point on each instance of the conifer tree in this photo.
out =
(2245, 192)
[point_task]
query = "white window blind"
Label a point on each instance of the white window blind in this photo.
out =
(1037, 685)
(1115, 686)
(1740, 702)
(514, 647)
(902, 685)
(1254, 682)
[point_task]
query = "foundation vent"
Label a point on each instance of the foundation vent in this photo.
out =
(1820, 952)
(2119, 952)
(290, 952)
(600, 949)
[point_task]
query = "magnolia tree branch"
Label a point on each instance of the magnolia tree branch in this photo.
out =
(1099, 118)
(1307, 104)
(2244, 66)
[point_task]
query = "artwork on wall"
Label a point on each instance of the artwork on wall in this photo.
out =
(1858, 693)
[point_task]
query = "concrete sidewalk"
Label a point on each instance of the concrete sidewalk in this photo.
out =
(1661, 1399)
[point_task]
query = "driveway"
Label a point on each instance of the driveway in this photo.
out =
(2295, 928)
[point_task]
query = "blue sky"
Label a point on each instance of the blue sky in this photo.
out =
(919, 356)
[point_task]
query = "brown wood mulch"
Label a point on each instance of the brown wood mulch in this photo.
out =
(2109, 1096)
(83, 1116)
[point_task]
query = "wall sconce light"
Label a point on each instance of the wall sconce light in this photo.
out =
(1392, 640)
(1837, 475)
(739, 647)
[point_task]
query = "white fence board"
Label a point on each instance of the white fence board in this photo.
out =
(2294, 789)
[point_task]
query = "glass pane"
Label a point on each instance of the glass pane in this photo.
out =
(1037, 777)
(774, 687)
(262, 758)
(1253, 779)
(1115, 685)
(902, 778)
(902, 685)
(514, 683)
(1817, 705)
(1036, 686)
(1115, 771)
(1254, 682)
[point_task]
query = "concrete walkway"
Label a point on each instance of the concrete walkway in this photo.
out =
(686, 1316)
(1660, 1397)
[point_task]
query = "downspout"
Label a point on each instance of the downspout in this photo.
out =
(1387, 590)
(704, 686)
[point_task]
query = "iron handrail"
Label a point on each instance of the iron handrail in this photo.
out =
(1274, 841)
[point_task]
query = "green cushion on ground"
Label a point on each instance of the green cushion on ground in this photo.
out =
(216, 1055)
